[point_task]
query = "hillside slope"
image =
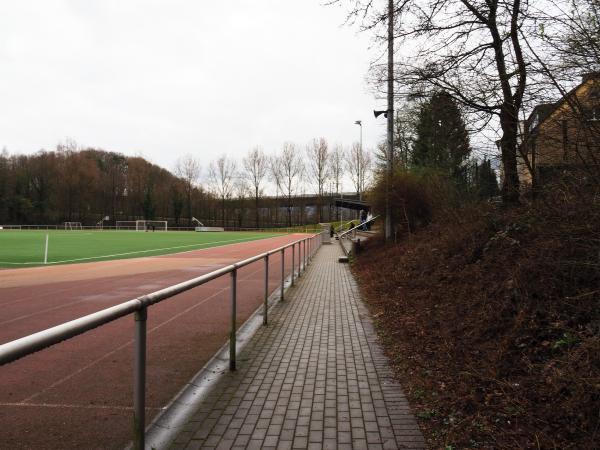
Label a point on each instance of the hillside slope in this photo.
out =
(491, 320)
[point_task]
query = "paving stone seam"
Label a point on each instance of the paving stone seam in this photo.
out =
(322, 331)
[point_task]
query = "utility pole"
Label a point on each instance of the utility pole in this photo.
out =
(359, 161)
(390, 122)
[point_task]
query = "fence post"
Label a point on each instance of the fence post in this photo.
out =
(282, 272)
(265, 319)
(233, 317)
(139, 379)
(299, 259)
(293, 264)
(305, 259)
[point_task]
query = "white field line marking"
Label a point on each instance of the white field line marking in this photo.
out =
(81, 285)
(135, 253)
(66, 405)
(121, 347)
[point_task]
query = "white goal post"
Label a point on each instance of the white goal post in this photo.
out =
(73, 226)
(151, 225)
(141, 225)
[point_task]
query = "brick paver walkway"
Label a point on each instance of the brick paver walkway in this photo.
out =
(314, 378)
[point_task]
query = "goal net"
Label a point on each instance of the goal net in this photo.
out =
(142, 225)
(125, 225)
(73, 226)
(151, 225)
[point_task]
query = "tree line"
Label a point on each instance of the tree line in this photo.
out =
(293, 186)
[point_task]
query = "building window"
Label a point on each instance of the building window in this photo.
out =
(534, 122)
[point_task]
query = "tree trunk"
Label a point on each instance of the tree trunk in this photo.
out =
(508, 146)
(256, 205)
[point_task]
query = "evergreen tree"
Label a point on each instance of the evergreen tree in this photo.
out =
(442, 141)
(486, 183)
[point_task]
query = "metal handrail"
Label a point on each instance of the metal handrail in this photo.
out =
(342, 225)
(19, 348)
(340, 236)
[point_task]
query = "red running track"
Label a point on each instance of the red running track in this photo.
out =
(78, 394)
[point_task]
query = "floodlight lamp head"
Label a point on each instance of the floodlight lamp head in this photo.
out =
(358, 122)
(378, 113)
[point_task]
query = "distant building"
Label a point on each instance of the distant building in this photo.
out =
(562, 137)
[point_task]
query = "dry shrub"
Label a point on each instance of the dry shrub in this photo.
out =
(492, 321)
(416, 197)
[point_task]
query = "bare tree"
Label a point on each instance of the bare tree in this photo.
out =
(188, 169)
(241, 191)
(570, 34)
(222, 175)
(318, 167)
(292, 169)
(358, 164)
(471, 49)
(336, 166)
(256, 166)
(337, 170)
(276, 175)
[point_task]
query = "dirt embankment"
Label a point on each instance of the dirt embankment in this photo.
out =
(492, 322)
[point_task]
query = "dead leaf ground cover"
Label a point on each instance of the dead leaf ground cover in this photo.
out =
(491, 320)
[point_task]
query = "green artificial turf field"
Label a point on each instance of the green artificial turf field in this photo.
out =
(26, 248)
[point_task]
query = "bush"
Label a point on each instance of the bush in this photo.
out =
(416, 197)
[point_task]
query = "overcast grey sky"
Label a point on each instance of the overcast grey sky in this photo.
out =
(162, 78)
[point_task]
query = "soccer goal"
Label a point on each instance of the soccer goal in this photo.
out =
(73, 226)
(151, 225)
(141, 225)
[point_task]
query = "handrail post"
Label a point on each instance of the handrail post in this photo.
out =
(265, 319)
(139, 379)
(282, 272)
(233, 317)
(293, 258)
(299, 259)
(304, 254)
(305, 260)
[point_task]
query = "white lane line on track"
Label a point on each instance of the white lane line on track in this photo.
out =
(66, 405)
(116, 261)
(135, 253)
(128, 343)
(63, 305)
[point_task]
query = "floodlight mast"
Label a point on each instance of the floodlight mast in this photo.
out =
(390, 121)
(359, 159)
